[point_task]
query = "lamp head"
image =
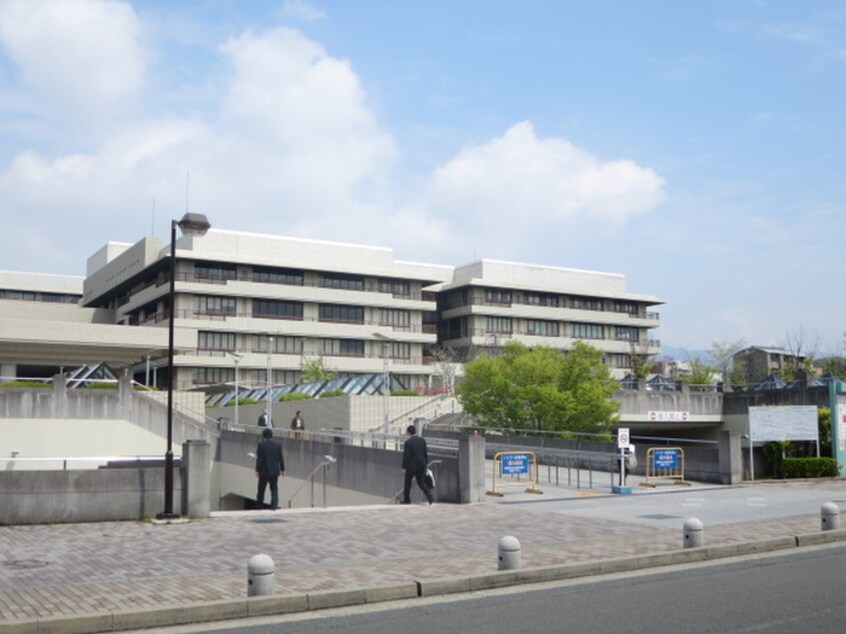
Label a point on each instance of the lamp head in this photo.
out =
(194, 224)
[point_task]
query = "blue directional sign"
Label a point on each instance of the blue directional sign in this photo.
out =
(665, 458)
(515, 463)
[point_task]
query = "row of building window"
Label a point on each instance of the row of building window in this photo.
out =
(281, 309)
(540, 327)
(506, 297)
(271, 275)
(226, 342)
(37, 296)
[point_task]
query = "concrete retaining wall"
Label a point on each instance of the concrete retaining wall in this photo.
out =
(368, 471)
(123, 492)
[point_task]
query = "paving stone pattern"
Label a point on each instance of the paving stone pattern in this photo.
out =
(75, 569)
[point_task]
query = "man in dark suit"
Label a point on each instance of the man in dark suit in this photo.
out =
(270, 464)
(415, 461)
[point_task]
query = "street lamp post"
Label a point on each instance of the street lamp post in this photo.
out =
(386, 371)
(191, 225)
(237, 358)
(269, 380)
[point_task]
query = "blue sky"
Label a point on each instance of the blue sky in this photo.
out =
(696, 147)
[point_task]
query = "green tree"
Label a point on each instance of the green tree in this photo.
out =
(722, 354)
(540, 388)
(700, 374)
(314, 370)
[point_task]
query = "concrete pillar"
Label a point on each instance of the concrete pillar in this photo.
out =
(730, 454)
(509, 553)
(829, 516)
(125, 397)
(471, 469)
(260, 576)
(59, 400)
(693, 533)
(196, 465)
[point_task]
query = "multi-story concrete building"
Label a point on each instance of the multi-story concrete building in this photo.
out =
(489, 302)
(260, 304)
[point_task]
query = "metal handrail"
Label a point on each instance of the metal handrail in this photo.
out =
(327, 462)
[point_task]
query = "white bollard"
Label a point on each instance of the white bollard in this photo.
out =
(509, 553)
(260, 576)
(693, 533)
(829, 516)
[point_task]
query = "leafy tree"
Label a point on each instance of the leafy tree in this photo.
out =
(314, 370)
(722, 354)
(639, 355)
(700, 373)
(540, 388)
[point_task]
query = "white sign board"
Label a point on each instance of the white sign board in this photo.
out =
(671, 416)
(623, 437)
(788, 422)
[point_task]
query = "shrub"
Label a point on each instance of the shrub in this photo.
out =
(22, 383)
(296, 396)
(405, 393)
(809, 468)
(101, 385)
(331, 393)
(242, 401)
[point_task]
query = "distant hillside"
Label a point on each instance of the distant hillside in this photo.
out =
(683, 354)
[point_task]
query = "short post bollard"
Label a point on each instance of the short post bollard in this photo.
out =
(509, 553)
(829, 516)
(260, 576)
(693, 533)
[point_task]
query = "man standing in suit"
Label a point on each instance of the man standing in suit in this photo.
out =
(415, 461)
(270, 464)
(264, 419)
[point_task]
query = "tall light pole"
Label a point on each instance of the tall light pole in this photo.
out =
(237, 358)
(269, 380)
(386, 370)
(190, 225)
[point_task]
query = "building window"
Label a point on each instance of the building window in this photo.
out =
(624, 307)
(396, 350)
(266, 275)
(213, 375)
(587, 303)
(394, 317)
(499, 325)
(541, 299)
(588, 331)
(626, 333)
(277, 309)
(339, 280)
(497, 297)
(542, 327)
(216, 340)
(214, 271)
(338, 312)
(342, 347)
(215, 305)
(281, 345)
(397, 288)
(618, 360)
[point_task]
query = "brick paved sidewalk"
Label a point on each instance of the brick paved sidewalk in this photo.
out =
(76, 569)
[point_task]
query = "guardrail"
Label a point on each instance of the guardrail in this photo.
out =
(100, 460)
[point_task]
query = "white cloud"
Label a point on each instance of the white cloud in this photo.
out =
(80, 58)
(293, 147)
(519, 185)
(304, 11)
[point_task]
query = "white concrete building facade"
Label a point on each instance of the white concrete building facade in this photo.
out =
(263, 303)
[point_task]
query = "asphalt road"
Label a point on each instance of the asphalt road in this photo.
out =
(797, 592)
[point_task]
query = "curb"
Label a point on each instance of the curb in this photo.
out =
(229, 609)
